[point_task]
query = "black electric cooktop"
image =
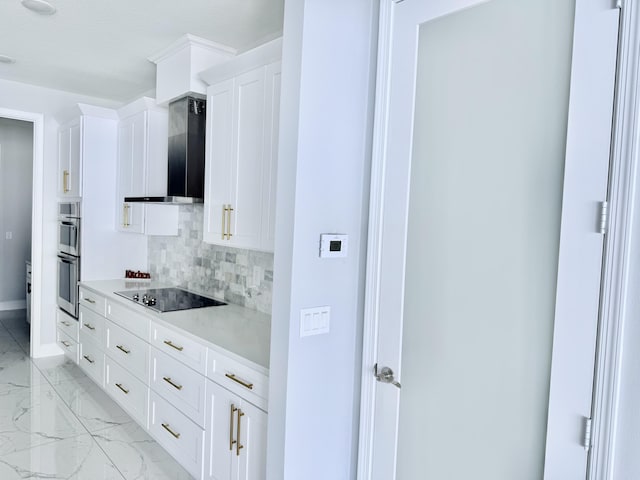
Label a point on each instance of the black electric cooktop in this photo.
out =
(168, 299)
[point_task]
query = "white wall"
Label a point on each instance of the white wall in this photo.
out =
(32, 99)
(323, 180)
(16, 158)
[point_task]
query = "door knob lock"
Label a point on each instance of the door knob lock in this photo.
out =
(385, 375)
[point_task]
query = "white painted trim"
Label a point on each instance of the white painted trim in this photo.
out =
(623, 185)
(187, 41)
(48, 350)
(374, 246)
(37, 221)
(13, 305)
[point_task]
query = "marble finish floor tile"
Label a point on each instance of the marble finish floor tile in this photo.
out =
(35, 416)
(77, 458)
(17, 372)
(138, 456)
(93, 407)
(59, 369)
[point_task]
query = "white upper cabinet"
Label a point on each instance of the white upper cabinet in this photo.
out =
(69, 159)
(241, 154)
(142, 169)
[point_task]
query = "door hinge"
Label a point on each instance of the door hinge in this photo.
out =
(586, 441)
(604, 217)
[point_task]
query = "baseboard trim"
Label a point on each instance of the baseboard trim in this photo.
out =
(13, 305)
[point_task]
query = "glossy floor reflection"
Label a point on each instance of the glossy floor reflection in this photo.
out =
(55, 423)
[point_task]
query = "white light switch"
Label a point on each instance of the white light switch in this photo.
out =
(8, 235)
(314, 321)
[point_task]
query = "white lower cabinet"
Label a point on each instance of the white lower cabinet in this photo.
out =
(128, 391)
(177, 434)
(236, 436)
(91, 359)
(68, 345)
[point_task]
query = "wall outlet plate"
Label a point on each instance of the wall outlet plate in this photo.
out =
(333, 245)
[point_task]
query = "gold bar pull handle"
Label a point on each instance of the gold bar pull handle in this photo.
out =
(233, 377)
(238, 444)
(231, 440)
(172, 345)
(122, 349)
(65, 323)
(89, 326)
(119, 385)
(88, 359)
(90, 300)
(229, 210)
(224, 217)
(167, 427)
(172, 383)
(65, 343)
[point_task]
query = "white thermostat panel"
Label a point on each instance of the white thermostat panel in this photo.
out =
(333, 245)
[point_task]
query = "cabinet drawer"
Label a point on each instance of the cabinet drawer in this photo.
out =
(177, 434)
(127, 349)
(92, 359)
(92, 325)
(69, 346)
(68, 325)
(188, 351)
(240, 379)
(178, 384)
(128, 319)
(128, 391)
(92, 301)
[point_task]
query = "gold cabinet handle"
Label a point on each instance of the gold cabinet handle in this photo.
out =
(65, 181)
(88, 359)
(229, 210)
(171, 382)
(89, 326)
(65, 343)
(233, 377)
(231, 440)
(172, 345)
(122, 349)
(89, 300)
(224, 217)
(168, 429)
(238, 444)
(65, 323)
(119, 385)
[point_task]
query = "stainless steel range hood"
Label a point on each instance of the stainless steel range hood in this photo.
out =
(185, 179)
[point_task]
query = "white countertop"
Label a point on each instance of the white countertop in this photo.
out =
(229, 329)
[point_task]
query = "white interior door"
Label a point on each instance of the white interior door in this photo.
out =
(485, 255)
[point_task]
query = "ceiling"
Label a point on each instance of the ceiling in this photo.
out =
(100, 48)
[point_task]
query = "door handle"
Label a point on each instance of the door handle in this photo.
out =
(385, 375)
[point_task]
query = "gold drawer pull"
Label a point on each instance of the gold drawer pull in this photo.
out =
(90, 300)
(238, 444)
(122, 349)
(119, 385)
(65, 343)
(65, 323)
(89, 326)
(168, 342)
(88, 359)
(233, 377)
(170, 382)
(168, 429)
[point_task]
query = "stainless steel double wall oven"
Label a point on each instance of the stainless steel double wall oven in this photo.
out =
(68, 256)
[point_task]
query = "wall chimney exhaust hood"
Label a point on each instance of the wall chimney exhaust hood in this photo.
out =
(185, 179)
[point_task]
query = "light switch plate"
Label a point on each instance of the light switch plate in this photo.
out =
(314, 321)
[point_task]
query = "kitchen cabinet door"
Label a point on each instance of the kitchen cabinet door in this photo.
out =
(131, 171)
(69, 160)
(236, 437)
(218, 174)
(241, 159)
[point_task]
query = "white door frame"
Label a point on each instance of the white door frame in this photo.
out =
(37, 223)
(624, 167)
(623, 184)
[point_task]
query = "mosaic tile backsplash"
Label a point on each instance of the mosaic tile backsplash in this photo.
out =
(243, 277)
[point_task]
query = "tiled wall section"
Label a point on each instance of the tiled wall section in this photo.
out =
(243, 277)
